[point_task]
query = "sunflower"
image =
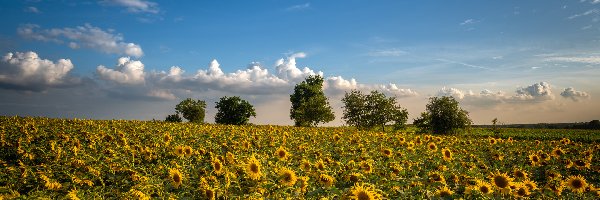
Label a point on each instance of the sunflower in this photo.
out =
(535, 160)
(303, 183)
(287, 177)
(557, 152)
(167, 138)
(281, 153)
(387, 152)
(556, 188)
(498, 156)
(443, 192)
(501, 180)
(179, 151)
(521, 191)
(520, 174)
(305, 165)
(253, 169)
(530, 184)
(217, 166)
(493, 141)
(230, 157)
(576, 183)
(320, 165)
(176, 177)
(366, 166)
(354, 177)
(436, 177)
(484, 187)
(446, 154)
(187, 151)
(581, 164)
(431, 146)
(326, 180)
(364, 192)
(209, 193)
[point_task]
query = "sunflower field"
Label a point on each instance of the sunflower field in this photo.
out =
(119, 159)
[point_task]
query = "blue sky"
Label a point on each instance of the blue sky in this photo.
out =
(520, 61)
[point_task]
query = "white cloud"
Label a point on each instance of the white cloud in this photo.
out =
(127, 71)
(574, 94)
(161, 94)
(588, 60)
(27, 71)
(338, 85)
(469, 22)
(134, 6)
(298, 7)
(32, 9)
(387, 53)
(287, 69)
(586, 13)
(538, 92)
(83, 36)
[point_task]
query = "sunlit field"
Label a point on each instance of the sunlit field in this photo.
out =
(117, 159)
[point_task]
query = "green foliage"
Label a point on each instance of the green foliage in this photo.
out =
(443, 116)
(233, 110)
(374, 109)
(192, 110)
(309, 104)
(173, 118)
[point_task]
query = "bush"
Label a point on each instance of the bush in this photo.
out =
(443, 116)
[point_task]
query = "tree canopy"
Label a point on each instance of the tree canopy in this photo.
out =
(443, 116)
(233, 110)
(192, 110)
(371, 110)
(309, 104)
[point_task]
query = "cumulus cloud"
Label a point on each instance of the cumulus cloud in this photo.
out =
(573, 94)
(27, 71)
(127, 71)
(134, 6)
(535, 93)
(539, 92)
(338, 85)
(287, 69)
(86, 36)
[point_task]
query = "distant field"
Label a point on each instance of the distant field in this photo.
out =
(57, 158)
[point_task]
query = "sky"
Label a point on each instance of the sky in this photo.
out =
(534, 61)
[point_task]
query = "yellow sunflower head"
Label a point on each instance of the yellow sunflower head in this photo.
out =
(501, 180)
(431, 146)
(446, 154)
(287, 177)
(535, 160)
(444, 192)
(521, 191)
(253, 168)
(305, 165)
(303, 183)
(364, 192)
(576, 183)
(187, 151)
(386, 152)
(520, 174)
(281, 153)
(366, 166)
(217, 166)
(557, 152)
(436, 177)
(326, 180)
(484, 187)
(176, 177)
(179, 151)
(320, 165)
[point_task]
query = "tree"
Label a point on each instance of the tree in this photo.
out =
(173, 118)
(374, 109)
(443, 116)
(233, 110)
(192, 110)
(309, 104)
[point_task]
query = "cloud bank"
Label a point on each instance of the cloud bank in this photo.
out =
(574, 95)
(134, 6)
(27, 71)
(86, 36)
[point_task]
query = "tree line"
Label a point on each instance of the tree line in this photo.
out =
(310, 107)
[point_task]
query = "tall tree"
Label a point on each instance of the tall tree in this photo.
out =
(443, 116)
(309, 104)
(374, 109)
(192, 110)
(233, 110)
